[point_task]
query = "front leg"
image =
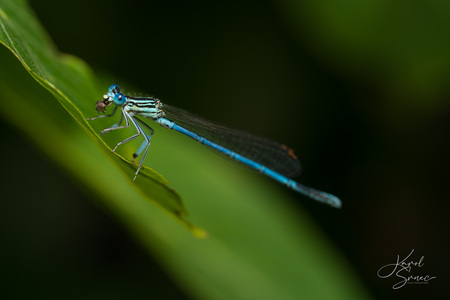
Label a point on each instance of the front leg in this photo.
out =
(115, 126)
(103, 116)
(127, 118)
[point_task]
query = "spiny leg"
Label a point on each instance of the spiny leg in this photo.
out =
(115, 127)
(118, 123)
(141, 148)
(104, 116)
(146, 142)
(138, 129)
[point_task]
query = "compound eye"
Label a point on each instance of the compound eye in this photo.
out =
(114, 89)
(119, 99)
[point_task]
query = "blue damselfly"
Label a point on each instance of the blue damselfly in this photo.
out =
(270, 158)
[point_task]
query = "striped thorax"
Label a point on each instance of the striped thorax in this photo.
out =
(147, 107)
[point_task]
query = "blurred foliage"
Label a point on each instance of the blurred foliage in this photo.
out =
(259, 247)
(401, 45)
(390, 62)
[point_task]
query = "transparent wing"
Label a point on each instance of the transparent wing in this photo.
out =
(272, 155)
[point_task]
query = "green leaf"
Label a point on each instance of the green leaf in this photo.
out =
(259, 246)
(74, 85)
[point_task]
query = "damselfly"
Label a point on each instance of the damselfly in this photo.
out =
(272, 159)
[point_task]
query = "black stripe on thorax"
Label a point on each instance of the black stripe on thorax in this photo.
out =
(144, 103)
(142, 98)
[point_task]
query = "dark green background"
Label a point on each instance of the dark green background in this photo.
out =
(360, 91)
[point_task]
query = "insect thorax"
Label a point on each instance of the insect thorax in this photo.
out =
(148, 108)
